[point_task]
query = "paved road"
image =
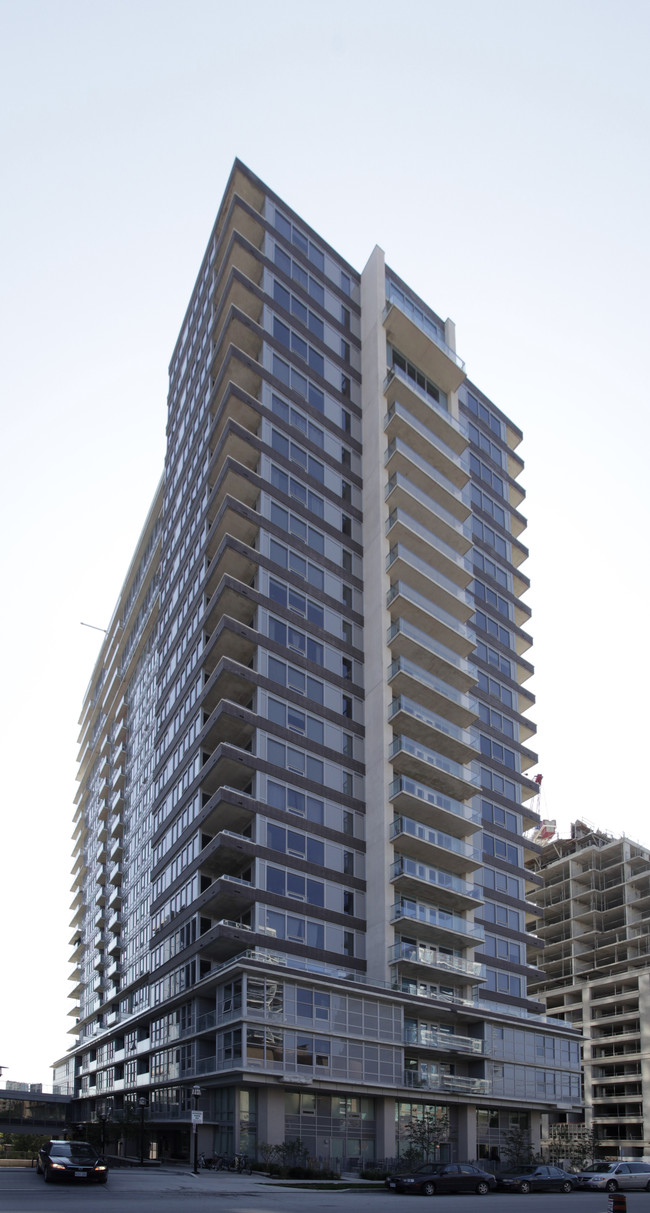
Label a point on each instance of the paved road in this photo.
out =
(133, 1191)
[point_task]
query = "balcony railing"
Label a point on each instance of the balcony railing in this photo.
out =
(434, 876)
(398, 298)
(434, 1038)
(415, 829)
(433, 759)
(410, 787)
(420, 954)
(435, 916)
(428, 644)
(447, 1082)
(401, 703)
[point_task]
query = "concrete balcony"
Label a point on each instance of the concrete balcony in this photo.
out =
(227, 854)
(230, 680)
(454, 1083)
(401, 422)
(407, 640)
(412, 957)
(229, 809)
(418, 880)
(402, 459)
(447, 1042)
(227, 767)
(421, 763)
(432, 808)
(427, 613)
(116, 851)
(402, 494)
(434, 360)
(405, 677)
(419, 842)
(229, 722)
(227, 897)
(236, 520)
(233, 559)
(427, 728)
(435, 924)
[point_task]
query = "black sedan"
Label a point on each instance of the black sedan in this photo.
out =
(71, 1160)
(435, 1177)
(536, 1179)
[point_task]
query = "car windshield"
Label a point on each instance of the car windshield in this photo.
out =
(600, 1168)
(519, 1171)
(430, 1168)
(69, 1149)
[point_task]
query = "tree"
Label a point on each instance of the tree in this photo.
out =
(517, 1148)
(426, 1133)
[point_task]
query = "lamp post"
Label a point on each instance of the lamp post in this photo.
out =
(143, 1103)
(196, 1095)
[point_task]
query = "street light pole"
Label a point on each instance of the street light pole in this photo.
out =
(143, 1103)
(196, 1094)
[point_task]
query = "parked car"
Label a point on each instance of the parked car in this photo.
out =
(610, 1176)
(535, 1179)
(434, 1177)
(71, 1160)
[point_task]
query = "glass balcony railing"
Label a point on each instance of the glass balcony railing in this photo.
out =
(404, 628)
(402, 665)
(400, 588)
(435, 1038)
(399, 410)
(435, 916)
(411, 787)
(435, 838)
(430, 538)
(398, 446)
(447, 1082)
(436, 877)
(433, 958)
(399, 298)
(398, 480)
(433, 759)
(402, 704)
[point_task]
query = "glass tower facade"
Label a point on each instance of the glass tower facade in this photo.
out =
(300, 827)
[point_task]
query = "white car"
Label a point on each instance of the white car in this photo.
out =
(610, 1176)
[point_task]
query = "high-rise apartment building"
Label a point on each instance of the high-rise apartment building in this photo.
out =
(593, 920)
(300, 853)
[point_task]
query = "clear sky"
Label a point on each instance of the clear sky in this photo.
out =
(498, 153)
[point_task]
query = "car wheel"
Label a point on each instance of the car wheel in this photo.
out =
(524, 1188)
(647, 1187)
(567, 1186)
(429, 1189)
(611, 1186)
(39, 1169)
(483, 1188)
(103, 1181)
(47, 1174)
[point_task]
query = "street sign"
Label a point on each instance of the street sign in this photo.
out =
(197, 1118)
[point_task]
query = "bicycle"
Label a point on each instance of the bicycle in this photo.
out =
(240, 1164)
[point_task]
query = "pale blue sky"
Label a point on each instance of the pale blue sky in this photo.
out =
(498, 153)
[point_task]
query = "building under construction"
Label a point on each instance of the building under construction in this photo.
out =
(594, 921)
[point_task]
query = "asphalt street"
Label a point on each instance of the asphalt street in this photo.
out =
(161, 1191)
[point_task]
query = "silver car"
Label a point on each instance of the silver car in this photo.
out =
(610, 1176)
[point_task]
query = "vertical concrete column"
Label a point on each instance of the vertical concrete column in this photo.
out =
(270, 1115)
(644, 1016)
(385, 1131)
(465, 1133)
(376, 582)
(535, 1132)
